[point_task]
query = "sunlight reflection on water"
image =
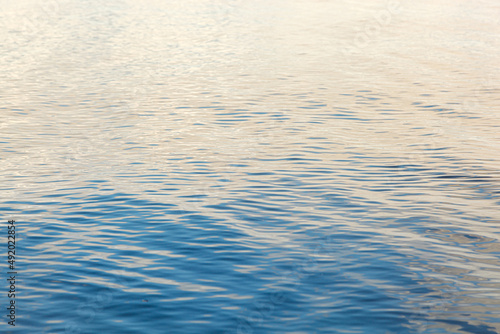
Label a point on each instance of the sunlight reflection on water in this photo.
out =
(260, 167)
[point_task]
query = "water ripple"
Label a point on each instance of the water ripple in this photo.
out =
(261, 167)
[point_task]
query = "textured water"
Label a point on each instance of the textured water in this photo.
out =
(232, 166)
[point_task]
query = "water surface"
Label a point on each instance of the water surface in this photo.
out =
(252, 166)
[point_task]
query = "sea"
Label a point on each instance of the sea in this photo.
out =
(247, 167)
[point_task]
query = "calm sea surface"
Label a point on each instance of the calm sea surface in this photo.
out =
(233, 166)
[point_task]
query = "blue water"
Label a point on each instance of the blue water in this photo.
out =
(251, 167)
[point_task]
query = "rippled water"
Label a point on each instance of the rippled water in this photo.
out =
(234, 166)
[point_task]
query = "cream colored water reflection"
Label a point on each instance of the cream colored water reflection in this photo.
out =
(395, 100)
